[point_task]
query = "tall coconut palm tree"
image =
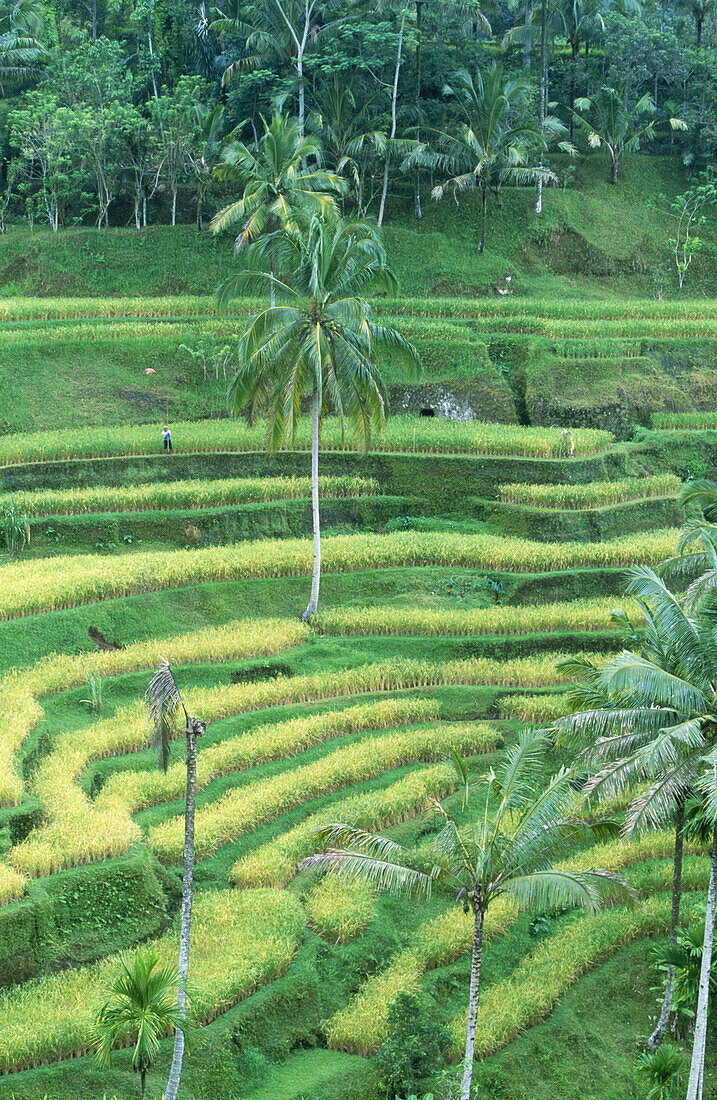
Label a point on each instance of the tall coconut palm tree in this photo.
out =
(507, 848)
(322, 343)
(646, 719)
(142, 1007)
(491, 144)
(164, 702)
(279, 175)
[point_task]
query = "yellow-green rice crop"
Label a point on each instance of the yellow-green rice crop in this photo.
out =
(339, 909)
(241, 810)
(275, 863)
(19, 690)
(594, 494)
(399, 434)
(135, 790)
(12, 885)
(27, 587)
(73, 835)
(591, 614)
(686, 421)
(182, 494)
(536, 710)
(240, 940)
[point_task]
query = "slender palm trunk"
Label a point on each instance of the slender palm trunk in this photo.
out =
(614, 169)
(176, 1068)
(659, 1033)
(543, 91)
(419, 19)
(527, 45)
(394, 103)
(143, 1083)
(694, 1086)
(483, 212)
(316, 573)
(473, 1006)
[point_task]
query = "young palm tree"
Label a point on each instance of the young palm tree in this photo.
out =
(491, 144)
(507, 849)
(163, 703)
(279, 175)
(647, 718)
(322, 343)
(618, 125)
(142, 1006)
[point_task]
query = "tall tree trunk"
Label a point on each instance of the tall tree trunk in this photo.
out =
(472, 1006)
(694, 1086)
(183, 968)
(527, 45)
(94, 21)
(659, 1033)
(200, 210)
(316, 573)
(543, 84)
(394, 101)
(614, 170)
(483, 212)
(174, 206)
(272, 284)
(143, 1083)
(419, 20)
(302, 107)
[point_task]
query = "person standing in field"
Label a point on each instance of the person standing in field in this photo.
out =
(167, 438)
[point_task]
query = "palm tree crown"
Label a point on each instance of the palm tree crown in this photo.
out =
(508, 848)
(279, 174)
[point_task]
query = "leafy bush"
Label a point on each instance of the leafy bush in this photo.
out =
(413, 1047)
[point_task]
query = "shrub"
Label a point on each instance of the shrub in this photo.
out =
(413, 1047)
(663, 1069)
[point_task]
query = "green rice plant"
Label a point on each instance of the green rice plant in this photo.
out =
(685, 421)
(94, 683)
(20, 690)
(534, 710)
(595, 494)
(182, 494)
(240, 941)
(400, 434)
(340, 910)
(134, 791)
(594, 614)
(275, 863)
(14, 527)
(239, 811)
(70, 580)
(360, 1027)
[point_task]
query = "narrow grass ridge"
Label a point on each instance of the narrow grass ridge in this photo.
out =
(595, 494)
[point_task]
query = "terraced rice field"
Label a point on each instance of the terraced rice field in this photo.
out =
(441, 621)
